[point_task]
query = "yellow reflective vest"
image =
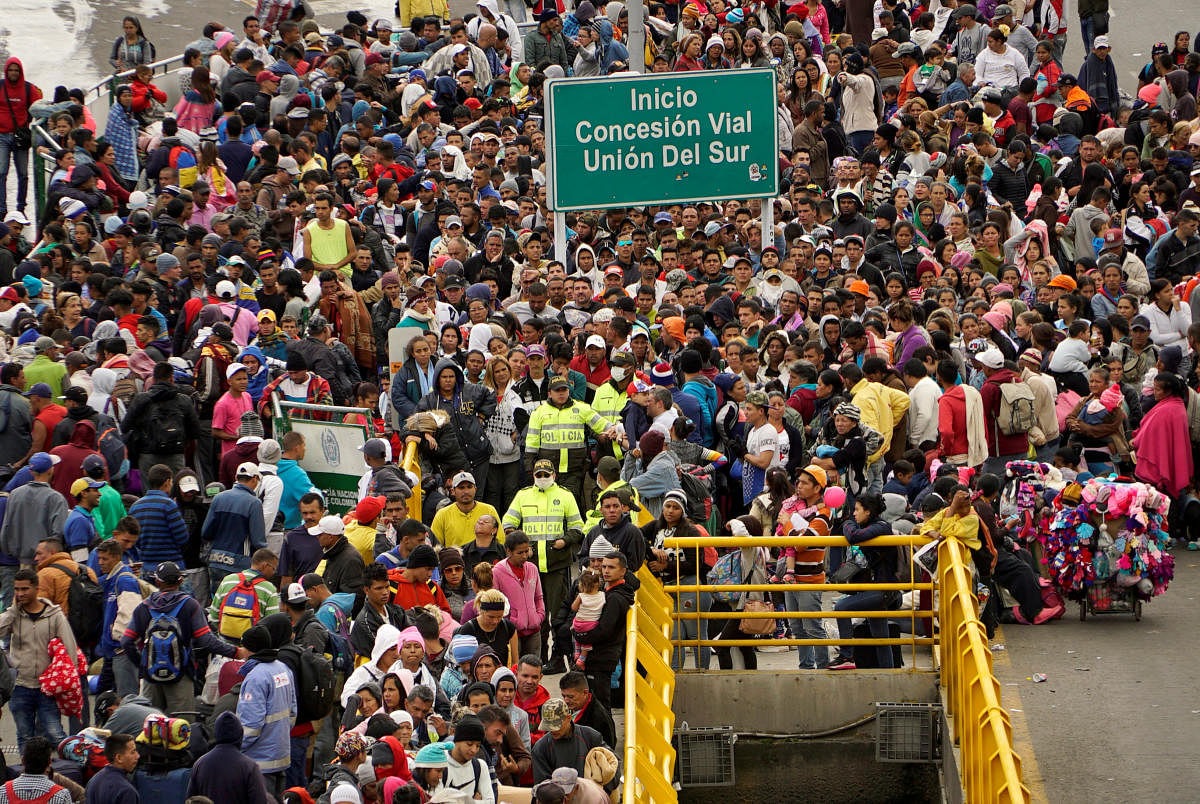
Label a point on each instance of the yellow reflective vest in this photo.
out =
(608, 404)
(560, 434)
(545, 517)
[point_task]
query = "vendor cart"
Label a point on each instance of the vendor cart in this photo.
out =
(1110, 599)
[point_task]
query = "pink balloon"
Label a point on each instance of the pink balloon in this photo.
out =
(835, 496)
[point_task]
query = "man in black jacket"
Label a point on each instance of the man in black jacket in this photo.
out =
(619, 531)
(161, 421)
(586, 710)
(608, 637)
(376, 610)
(1010, 179)
(343, 564)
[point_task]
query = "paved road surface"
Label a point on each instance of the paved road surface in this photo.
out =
(1118, 717)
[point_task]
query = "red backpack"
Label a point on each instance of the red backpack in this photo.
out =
(44, 798)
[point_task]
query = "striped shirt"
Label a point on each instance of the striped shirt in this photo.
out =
(163, 530)
(810, 562)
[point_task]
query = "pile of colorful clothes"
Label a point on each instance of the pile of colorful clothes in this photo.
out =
(1109, 532)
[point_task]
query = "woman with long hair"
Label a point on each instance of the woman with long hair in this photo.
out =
(131, 48)
(681, 566)
(503, 430)
(210, 169)
(753, 570)
(198, 107)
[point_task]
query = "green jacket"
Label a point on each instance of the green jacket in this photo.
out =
(540, 49)
(109, 512)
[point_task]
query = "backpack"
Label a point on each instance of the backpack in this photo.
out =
(313, 674)
(111, 447)
(183, 159)
(85, 599)
(165, 431)
(1016, 415)
(239, 609)
(727, 571)
(340, 654)
(10, 793)
(125, 389)
(165, 655)
(697, 484)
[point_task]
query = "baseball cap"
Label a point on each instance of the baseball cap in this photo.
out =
(991, 357)
(566, 778)
(43, 461)
(536, 350)
(374, 448)
(296, 594)
(189, 483)
(596, 341)
(40, 389)
(289, 164)
(614, 270)
(10, 293)
(311, 580)
(542, 465)
(16, 217)
(711, 228)
(817, 473)
(234, 368)
(92, 464)
(248, 469)
(557, 383)
(454, 220)
(265, 75)
(44, 343)
(328, 524)
(1063, 282)
(1140, 322)
(462, 477)
(1100, 41)
(1113, 238)
(369, 508)
(226, 289)
(663, 217)
(83, 483)
(555, 712)
(168, 572)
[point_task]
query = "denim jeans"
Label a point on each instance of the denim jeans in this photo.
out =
(21, 157)
(866, 601)
(688, 629)
(8, 573)
(295, 775)
(1087, 29)
(36, 715)
(812, 657)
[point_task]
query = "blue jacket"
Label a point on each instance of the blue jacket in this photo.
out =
(226, 774)
(164, 532)
(234, 526)
(196, 631)
(706, 394)
(296, 484)
(266, 708)
(111, 786)
(117, 583)
(690, 406)
(80, 530)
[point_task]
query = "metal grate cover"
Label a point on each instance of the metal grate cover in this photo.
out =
(704, 756)
(908, 732)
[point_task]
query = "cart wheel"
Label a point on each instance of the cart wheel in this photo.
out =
(1137, 611)
(1082, 611)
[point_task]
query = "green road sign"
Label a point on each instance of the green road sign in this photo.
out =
(661, 138)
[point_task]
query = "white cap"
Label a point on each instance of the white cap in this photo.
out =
(295, 593)
(138, 200)
(189, 483)
(991, 357)
(234, 368)
(328, 524)
(595, 340)
(1100, 41)
(456, 49)
(248, 469)
(226, 289)
(17, 217)
(462, 477)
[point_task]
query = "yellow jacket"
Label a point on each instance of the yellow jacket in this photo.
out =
(963, 528)
(409, 9)
(881, 408)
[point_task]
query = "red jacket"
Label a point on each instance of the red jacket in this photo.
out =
(998, 443)
(142, 93)
(19, 96)
(952, 422)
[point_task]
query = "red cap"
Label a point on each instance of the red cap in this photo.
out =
(473, 103)
(369, 509)
(265, 75)
(10, 294)
(1113, 237)
(373, 58)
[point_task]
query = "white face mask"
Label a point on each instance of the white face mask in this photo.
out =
(543, 483)
(619, 373)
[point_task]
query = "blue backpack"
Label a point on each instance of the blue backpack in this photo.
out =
(165, 655)
(340, 654)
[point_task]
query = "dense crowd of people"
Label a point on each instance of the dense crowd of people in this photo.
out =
(978, 259)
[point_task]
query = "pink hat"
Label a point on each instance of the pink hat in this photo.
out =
(1111, 398)
(1003, 307)
(1149, 93)
(1002, 287)
(960, 259)
(995, 319)
(222, 39)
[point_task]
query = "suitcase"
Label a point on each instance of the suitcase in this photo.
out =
(163, 788)
(864, 655)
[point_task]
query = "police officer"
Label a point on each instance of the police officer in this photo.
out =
(549, 516)
(557, 433)
(612, 396)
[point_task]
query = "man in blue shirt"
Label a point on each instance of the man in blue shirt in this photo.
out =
(163, 532)
(333, 611)
(234, 526)
(125, 534)
(80, 530)
(122, 595)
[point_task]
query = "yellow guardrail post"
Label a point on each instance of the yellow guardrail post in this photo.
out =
(409, 463)
(649, 692)
(989, 768)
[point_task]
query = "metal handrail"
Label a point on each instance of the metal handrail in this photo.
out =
(649, 692)
(914, 615)
(990, 768)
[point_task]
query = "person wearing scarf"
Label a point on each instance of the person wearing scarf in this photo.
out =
(121, 131)
(1162, 442)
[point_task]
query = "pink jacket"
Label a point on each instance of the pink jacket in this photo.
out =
(527, 610)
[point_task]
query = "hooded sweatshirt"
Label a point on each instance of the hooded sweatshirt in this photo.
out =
(70, 468)
(388, 636)
(31, 634)
(21, 94)
(469, 407)
(225, 773)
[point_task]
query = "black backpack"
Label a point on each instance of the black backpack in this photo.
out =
(165, 433)
(313, 674)
(86, 601)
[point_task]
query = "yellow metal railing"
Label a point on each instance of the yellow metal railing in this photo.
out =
(803, 542)
(649, 691)
(409, 463)
(990, 769)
